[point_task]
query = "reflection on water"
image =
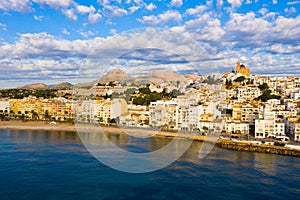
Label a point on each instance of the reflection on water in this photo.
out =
(266, 163)
(136, 155)
(55, 165)
(33, 135)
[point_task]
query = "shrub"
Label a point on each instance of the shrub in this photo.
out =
(279, 144)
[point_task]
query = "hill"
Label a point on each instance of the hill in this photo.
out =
(34, 86)
(115, 75)
(62, 85)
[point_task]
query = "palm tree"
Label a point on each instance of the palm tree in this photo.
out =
(26, 114)
(19, 114)
(34, 115)
(22, 117)
(47, 116)
(165, 127)
(11, 113)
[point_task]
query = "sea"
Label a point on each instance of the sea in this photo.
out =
(56, 165)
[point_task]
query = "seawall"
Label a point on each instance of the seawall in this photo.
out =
(238, 146)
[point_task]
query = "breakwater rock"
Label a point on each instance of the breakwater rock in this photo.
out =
(261, 148)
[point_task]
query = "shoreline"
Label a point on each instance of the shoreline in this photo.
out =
(222, 143)
(31, 125)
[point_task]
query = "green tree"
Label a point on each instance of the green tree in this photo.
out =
(145, 90)
(11, 113)
(22, 117)
(47, 115)
(240, 79)
(113, 121)
(26, 114)
(34, 115)
(70, 120)
(138, 101)
(130, 91)
(267, 94)
(263, 87)
(228, 83)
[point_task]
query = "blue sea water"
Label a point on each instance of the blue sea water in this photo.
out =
(55, 165)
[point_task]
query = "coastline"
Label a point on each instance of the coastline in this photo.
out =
(222, 143)
(33, 125)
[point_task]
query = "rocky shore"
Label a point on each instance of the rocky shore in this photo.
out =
(261, 148)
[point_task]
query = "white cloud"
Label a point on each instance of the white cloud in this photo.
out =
(151, 7)
(94, 18)
(274, 1)
(271, 15)
(114, 11)
(38, 18)
(176, 3)
(247, 23)
(220, 3)
(286, 30)
(133, 9)
(55, 3)
(65, 31)
(3, 26)
(198, 22)
(163, 18)
(86, 34)
(71, 14)
(84, 9)
(209, 3)
(290, 10)
(263, 11)
(103, 2)
(113, 31)
(203, 29)
(43, 55)
(68, 7)
(293, 2)
(16, 5)
(283, 49)
(235, 3)
(196, 10)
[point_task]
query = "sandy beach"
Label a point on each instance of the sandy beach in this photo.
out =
(33, 125)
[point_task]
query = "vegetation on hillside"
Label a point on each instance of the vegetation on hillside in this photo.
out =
(21, 93)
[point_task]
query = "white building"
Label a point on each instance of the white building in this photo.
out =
(4, 106)
(294, 129)
(189, 116)
(164, 113)
(260, 131)
(237, 127)
(269, 126)
(279, 128)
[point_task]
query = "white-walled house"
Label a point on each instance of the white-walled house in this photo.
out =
(5, 106)
(260, 131)
(164, 113)
(294, 130)
(237, 126)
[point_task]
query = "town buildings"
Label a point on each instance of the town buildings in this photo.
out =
(238, 107)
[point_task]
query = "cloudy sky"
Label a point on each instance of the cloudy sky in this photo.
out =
(52, 41)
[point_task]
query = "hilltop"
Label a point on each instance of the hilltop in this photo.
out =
(42, 86)
(34, 86)
(116, 74)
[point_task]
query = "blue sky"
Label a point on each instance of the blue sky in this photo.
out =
(55, 40)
